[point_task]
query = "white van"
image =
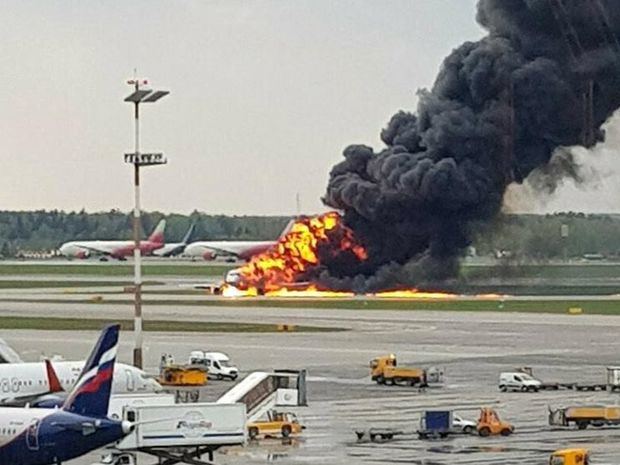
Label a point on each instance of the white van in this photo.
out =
(517, 381)
(217, 364)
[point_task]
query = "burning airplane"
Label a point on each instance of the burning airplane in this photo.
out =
(546, 77)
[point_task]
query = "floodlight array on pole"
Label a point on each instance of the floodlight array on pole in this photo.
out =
(138, 159)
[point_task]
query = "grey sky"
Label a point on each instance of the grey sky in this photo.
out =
(265, 95)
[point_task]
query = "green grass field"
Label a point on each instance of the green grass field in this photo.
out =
(36, 284)
(148, 325)
(112, 269)
(601, 307)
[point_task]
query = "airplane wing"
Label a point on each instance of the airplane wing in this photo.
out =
(7, 354)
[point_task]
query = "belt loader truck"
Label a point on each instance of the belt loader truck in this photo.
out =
(595, 415)
(384, 370)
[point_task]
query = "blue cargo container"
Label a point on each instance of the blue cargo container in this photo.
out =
(435, 423)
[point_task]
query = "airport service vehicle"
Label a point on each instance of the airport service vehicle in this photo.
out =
(175, 249)
(216, 363)
(435, 424)
(570, 457)
(120, 401)
(172, 374)
(284, 424)
(178, 433)
(596, 415)
(244, 250)
(432, 424)
(462, 425)
(489, 424)
(518, 381)
(39, 436)
(523, 380)
(384, 370)
(114, 249)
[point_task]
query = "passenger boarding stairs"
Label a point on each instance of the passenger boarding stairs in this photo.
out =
(262, 391)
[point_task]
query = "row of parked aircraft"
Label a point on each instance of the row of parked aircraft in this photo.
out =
(51, 430)
(156, 245)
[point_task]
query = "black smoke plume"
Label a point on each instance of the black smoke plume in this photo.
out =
(546, 76)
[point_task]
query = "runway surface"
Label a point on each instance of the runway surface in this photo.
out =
(473, 348)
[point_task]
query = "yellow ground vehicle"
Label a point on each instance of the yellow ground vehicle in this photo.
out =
(282, 424)
(570, 457)
(597, 415)
(489, 424)
(383, 370)
(171, 374)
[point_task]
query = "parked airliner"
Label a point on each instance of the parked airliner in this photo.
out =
(22, 383)
(245, 250)
(40, 436)
(114, 249)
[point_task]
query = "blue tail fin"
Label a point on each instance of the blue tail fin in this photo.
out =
(188, 234)
(91, 394)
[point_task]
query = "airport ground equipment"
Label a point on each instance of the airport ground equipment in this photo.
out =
(382, 434)
(119, 401)
(216, 363)
(263, 391)
(384, 370)
(173, 374)
(276, 424)
(458, 426)
(518, 381)
(490, 424)
(570, 457)
(435, 424)
(523, 380)
(584, 416)
(181, 433)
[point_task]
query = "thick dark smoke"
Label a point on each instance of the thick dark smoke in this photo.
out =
(497, 111)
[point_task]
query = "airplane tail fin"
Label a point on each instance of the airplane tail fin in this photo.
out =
(52, 378)
(188, 234)
(91, 394)
(287, 228)
(157, 235)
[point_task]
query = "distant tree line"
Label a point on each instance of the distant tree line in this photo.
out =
(521, 237)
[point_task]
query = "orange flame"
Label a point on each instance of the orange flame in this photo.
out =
(298, 252)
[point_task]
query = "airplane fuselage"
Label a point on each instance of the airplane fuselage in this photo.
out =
(30, 379)
(32, 436)
(242, 249)
(115, 249)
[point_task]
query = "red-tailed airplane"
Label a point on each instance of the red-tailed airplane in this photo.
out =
(114, 249)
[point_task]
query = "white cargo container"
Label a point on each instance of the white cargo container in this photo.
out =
(120, 401)
(185, 425)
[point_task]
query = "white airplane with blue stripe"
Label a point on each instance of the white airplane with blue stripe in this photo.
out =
(42, 436)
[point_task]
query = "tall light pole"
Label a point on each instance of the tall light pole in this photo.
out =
(138, 159)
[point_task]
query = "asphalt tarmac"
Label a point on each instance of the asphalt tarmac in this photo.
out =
(473, 348)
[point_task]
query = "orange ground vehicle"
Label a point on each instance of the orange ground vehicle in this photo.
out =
(570, 457)
(383, 370)
(172, 374)
(489, 424)
(283, 424)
